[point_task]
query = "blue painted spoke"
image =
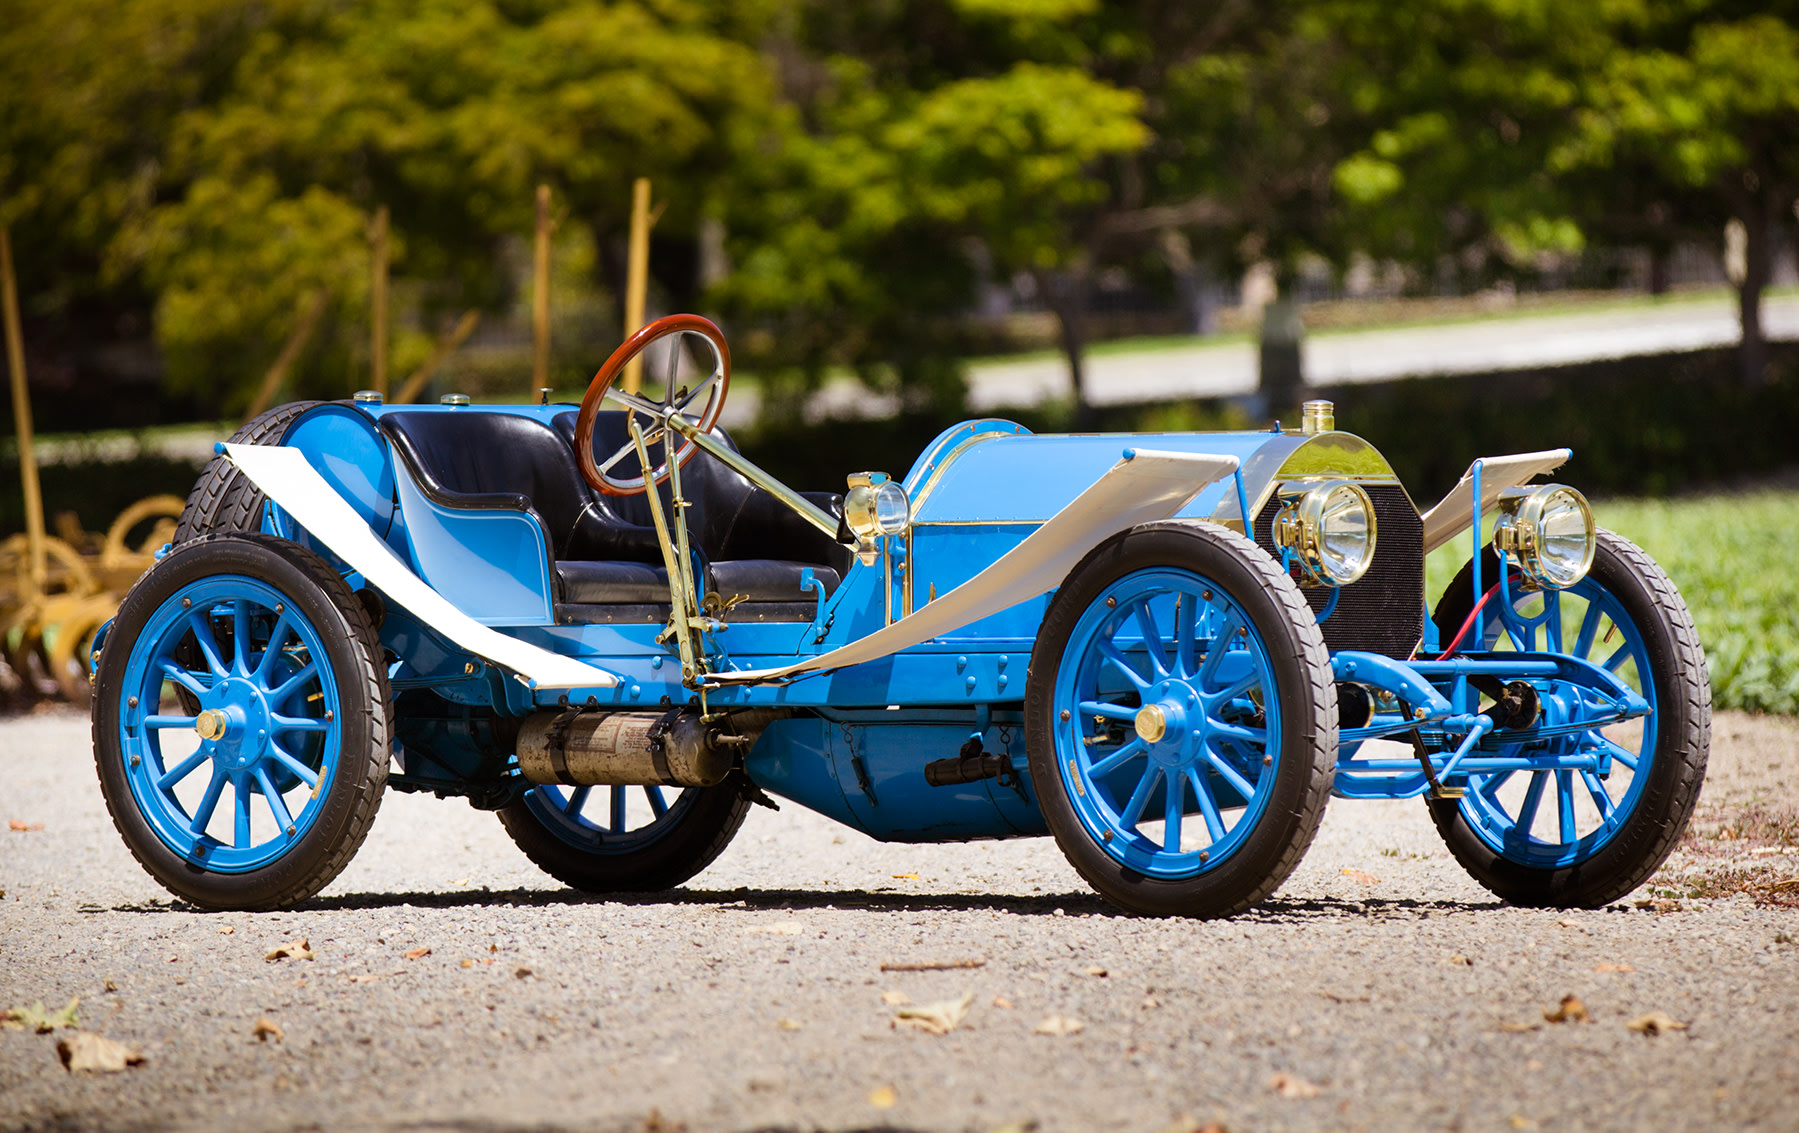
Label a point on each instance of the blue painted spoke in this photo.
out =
(1533, 797)
(1589, 627)
(1617, 751)
(1109, 711)
(577, 798)
(1185, 619)
(1174, 802)
(1490, 785)
(1238, 783)
(182, 770)
(1239, 733)
(208, 803)
(183, 678)
(288, 687)
(1227, 628)
(1117, 759)
(1110, 652)
(618, 810)
(1601, 801)
(277, 638)
(277, 805)
(1513, 626)
(240, 825)
(298, 723)
(1219, 699)
(1564, 799)
(169, 721)
(1208, 806)
(1133, 810)
(304, 773)
(658, 804)
(209, 645)
(1618, 658)
(240, 637)
(1552, 621)
(1152, 639)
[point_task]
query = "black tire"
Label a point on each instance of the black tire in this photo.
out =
(223, 499)
(1659, 807)
(673, 847)
(1283, 822)
(348, 760)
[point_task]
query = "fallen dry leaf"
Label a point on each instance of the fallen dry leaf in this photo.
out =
(1571, 1010)
(1059, 1025)
(1614, 968)
(21, 824)
(417, 953)
(1097, 973)
(1519, 1028)
(1364, 878)
(1292, 1086)
(788, 1024)
(908, 877)
(1458, 958)
(895, 998)
(266, 1029)
(1002, 1003)
(883, 1097)
(522, 973)
(300, 949)
(36, 1018)
(936, 1018)
(1655, 1023)
(227, 930)
(779, 928)
(1150, 1003)
(86, 1051)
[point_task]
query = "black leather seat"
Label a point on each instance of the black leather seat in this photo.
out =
(608, 564)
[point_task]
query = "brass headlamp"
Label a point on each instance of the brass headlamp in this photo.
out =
(1330, 530)
(1547, 532)
(875, 505)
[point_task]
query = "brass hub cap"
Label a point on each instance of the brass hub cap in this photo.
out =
(210, 724)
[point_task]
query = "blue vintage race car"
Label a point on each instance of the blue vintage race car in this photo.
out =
(1167, 651)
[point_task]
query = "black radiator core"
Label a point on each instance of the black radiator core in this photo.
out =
(1383, 612)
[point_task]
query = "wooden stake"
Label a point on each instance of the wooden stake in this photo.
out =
(378, 300)
(21, 410)
(415, 383)
(540, 293)
(296, 342)
(637, 274)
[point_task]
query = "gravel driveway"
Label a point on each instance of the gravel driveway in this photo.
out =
(1381, 989)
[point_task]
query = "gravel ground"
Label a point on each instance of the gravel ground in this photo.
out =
(1374, 992)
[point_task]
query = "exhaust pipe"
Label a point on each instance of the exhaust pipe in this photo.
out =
(582, 748)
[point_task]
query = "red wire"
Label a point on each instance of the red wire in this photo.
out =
(1456, 641)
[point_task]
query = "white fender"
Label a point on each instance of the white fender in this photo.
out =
(284, 476)
(1144, 487)
(1455, 512)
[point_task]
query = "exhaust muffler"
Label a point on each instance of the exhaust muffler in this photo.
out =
(589, 748)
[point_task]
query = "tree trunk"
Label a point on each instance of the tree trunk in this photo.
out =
(1752, 354)
(1066, 290)
(1282, 371)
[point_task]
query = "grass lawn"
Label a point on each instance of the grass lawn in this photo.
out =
(1732, 557)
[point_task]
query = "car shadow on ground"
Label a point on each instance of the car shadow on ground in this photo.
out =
(1276, 910)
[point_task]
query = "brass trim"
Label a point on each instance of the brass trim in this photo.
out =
(930, 484)
(1291, 458)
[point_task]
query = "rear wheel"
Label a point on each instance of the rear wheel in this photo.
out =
(223, 499)
(625, 839)
(1182, 721)
(1582, 839)
(240, 722)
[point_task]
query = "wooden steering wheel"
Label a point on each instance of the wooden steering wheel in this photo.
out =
(674, 400)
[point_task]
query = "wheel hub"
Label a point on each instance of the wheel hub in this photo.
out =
(1172, 724)
(234, 723)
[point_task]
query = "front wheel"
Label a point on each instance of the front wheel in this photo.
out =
(241, 723)
(625, 839)
(1582, 839)
(1182, 722)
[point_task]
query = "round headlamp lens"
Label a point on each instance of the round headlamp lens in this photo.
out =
(893, 511)
(1346, 534)
(1548, 533)
(1330, 530)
